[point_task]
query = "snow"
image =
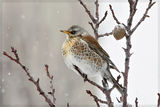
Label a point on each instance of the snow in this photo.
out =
(3, 80)
(9, 73)
(58, 11)
(66, 94)
(23, 16)
(3, 90)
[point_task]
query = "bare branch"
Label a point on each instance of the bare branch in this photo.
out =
(133, 5)
(67, 104)
(158, 104)
(52, 93)
(104, 90)
(26, 70)
(144, 15)
(95, 30)
(136, 102)
(97, 10)
(106, 34)
(114, 17)
(104, 17)
(87, 11)
(96, 99)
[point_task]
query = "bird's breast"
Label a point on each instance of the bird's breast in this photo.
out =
(77, 52)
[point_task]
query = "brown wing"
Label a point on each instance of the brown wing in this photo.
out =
(94, 45)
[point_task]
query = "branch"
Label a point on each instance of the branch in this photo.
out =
(97, 10)
(114, 17)
(128, 54)
(136, 102)
(133, 5)
(95, 30)
(103, 18)
(96, 21)
(88, 12)
(96, 99)
(67, 104)
(144, 15)
(106, 34)
(158, 104)
(52, 93)
(26, 70)
(104, 90)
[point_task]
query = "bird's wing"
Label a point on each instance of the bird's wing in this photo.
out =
(94, 45)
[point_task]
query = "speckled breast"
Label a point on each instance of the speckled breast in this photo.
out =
(82, 56)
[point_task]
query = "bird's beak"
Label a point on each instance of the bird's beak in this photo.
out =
(65, 31)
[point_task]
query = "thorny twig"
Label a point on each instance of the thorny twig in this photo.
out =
(26, 70)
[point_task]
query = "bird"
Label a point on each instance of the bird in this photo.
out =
(83, 50)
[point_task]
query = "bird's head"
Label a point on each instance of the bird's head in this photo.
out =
(75, 31)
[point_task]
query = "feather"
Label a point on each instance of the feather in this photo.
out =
(94, 45)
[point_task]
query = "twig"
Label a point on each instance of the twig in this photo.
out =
(87, 11)
(104, 90)
(128, 54)
(144, 15)
(52, 93)
(103, 18)
(106, 34)
(114, 17)
(95, 30)
(96, 99)
(133, 5)
(96, 21)
(26, 70)
(67, 104)
(97, 10)
(136, 102)
(158, 104)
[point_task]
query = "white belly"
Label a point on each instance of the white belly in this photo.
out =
(91, 69)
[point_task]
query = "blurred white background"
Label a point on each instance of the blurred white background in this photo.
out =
(32, 27)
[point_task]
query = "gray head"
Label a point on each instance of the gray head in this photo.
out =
(75, 30)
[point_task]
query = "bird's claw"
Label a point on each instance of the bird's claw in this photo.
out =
(85, 77)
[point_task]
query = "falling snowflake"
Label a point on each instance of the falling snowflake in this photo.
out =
(3, 90)
(58, 11)
(9, 73)
(66, 94)
(8, 27)
(23, 16)
(3, 80)
(51, 54)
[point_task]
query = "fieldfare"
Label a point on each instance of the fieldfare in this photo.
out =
(82, 50)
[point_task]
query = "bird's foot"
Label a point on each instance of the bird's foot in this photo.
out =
(85, 77)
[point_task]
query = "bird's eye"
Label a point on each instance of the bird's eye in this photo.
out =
(73, 32)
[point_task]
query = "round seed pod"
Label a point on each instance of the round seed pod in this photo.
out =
(119, 32)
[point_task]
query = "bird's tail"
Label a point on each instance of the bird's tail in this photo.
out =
(111, 79)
